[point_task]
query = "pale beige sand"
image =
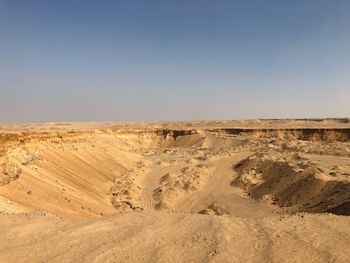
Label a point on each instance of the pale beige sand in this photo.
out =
(175, 237)
(176, 192)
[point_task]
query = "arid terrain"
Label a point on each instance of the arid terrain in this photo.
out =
(204, 191)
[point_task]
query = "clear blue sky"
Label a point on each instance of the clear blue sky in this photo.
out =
(170, 60)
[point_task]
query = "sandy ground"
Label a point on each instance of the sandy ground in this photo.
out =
(176, 192)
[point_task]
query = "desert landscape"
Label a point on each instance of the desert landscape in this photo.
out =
(263, 190)
(174, 131)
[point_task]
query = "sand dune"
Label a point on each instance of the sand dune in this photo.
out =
(255, 191)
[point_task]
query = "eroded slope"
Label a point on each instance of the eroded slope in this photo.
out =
(174, 195)
(101, 172)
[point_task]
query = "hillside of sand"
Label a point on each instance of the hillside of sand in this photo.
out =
(233, 191)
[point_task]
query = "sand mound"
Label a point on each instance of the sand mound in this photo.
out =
(293, 181)
(175, 186)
